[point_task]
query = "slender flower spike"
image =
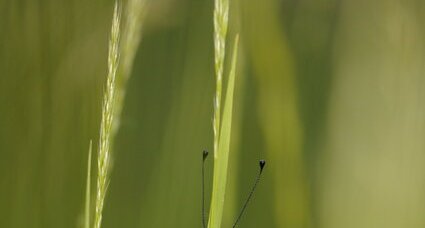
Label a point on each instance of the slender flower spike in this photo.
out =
(221, 139)
(221, 130)
(221, 19)
(104, 155)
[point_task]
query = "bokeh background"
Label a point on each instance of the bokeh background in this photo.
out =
(330, 92)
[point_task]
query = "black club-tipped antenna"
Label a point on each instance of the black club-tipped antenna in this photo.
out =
(262, 163)
(204, 156)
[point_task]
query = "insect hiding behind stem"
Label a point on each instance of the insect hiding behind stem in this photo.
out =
(262, 164)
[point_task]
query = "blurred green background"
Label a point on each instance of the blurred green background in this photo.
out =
(330, 92)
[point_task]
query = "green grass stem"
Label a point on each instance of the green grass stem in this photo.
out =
(222, 156)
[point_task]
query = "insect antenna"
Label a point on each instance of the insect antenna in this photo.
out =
(262, 163)
(204, 156)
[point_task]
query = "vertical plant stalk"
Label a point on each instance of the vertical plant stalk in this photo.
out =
(221, 19)
(87, 206)
(221, 130)
(104, 155)
(222, 158)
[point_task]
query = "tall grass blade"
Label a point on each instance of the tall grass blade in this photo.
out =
(222, 156)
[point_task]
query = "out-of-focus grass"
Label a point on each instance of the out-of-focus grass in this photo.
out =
(373, 161)
(278, 112)
(133, 23)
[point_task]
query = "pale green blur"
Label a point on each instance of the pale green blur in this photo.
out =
(330, 92)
